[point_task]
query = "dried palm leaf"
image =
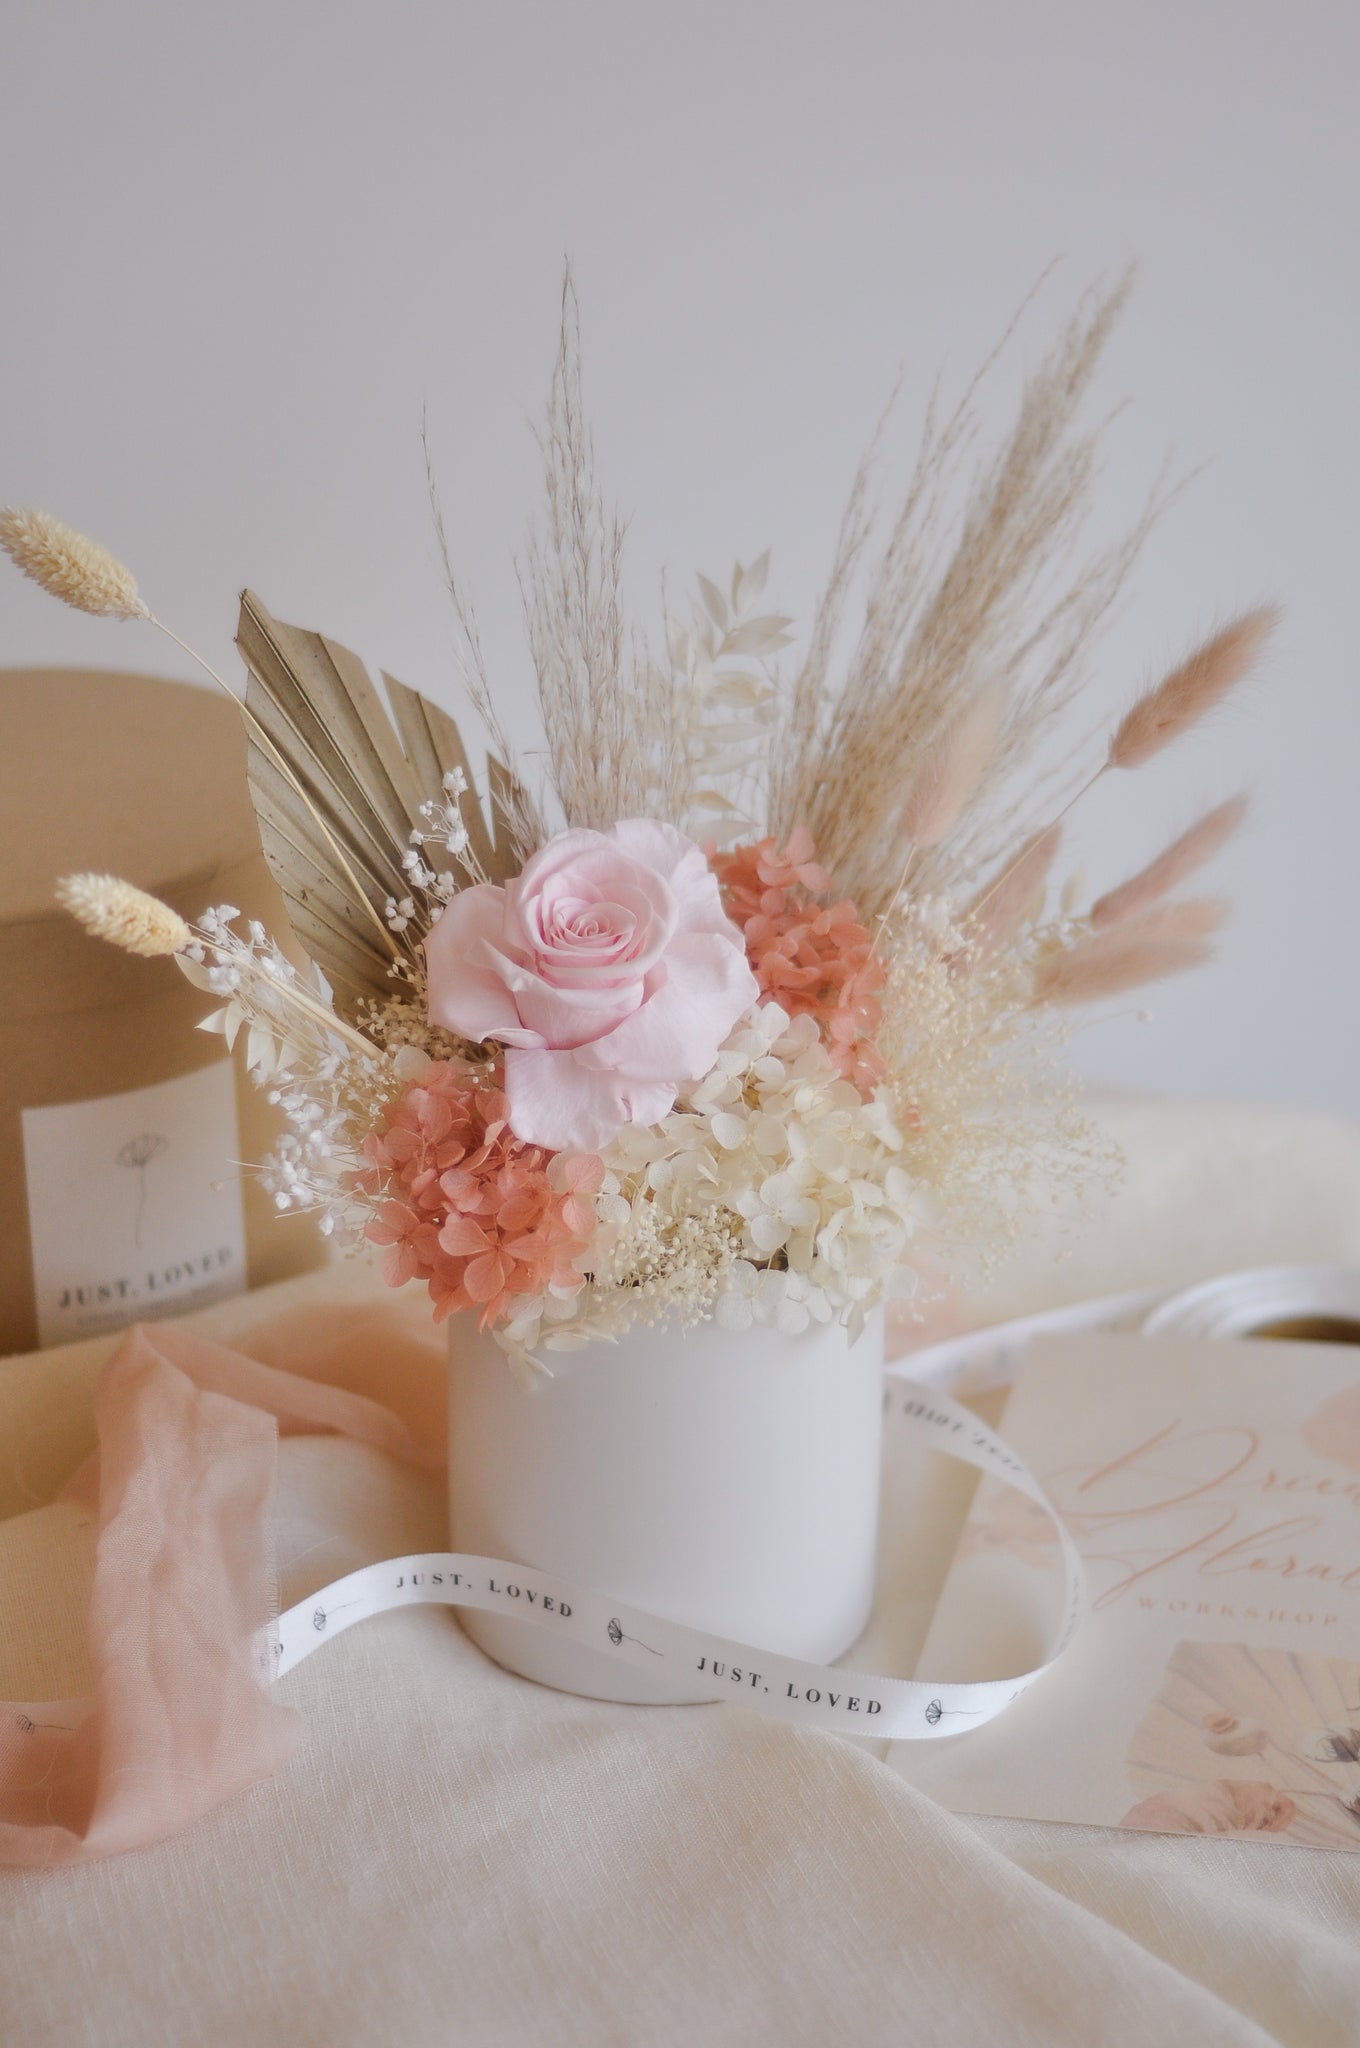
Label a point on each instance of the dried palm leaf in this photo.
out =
(337, 787)
(434, 747)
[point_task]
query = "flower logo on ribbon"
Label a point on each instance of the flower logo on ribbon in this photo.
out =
(618, 1635)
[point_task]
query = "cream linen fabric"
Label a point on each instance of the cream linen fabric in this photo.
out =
(454, 1856)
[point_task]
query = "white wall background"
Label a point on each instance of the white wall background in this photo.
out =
(242, 244)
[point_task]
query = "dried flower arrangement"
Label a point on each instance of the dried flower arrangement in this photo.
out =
(761, 977)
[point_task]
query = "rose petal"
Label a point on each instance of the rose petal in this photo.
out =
(676, 1033)
(467, 996)
(691, 879)
(564, 1018)
(559, 852)
(612, 947)
(558, 1103)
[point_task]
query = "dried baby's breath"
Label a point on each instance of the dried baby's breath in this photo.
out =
(990, 1115)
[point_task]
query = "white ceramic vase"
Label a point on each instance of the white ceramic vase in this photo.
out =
(729, 1482)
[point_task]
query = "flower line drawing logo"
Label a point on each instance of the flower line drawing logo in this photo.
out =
(617, 1635)
(936, 1712)
(321, 1615)
(138, 1154)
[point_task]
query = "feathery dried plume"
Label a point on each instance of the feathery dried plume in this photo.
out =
(983, 572)
(608, 712)
(997, 908)
(952, 770)
(69, 565)
(1163, 941)
(1195, 917)
(1183, 697)
(1172, 865)
(126, 916)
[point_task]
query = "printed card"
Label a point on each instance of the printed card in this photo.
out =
(1213, 1489)
(134, 1205)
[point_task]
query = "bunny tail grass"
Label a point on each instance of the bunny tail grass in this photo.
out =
(1170, 868)
(1163, 941)
(1184, 696)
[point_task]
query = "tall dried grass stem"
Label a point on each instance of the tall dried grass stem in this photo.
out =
(522, 817)
(609, 715)
(982, 574)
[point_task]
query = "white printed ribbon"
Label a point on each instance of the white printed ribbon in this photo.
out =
(706, 1667)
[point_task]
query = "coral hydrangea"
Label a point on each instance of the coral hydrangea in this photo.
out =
(465, 1205)
(813, 957)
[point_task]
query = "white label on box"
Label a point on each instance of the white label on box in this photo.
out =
(134, 1204)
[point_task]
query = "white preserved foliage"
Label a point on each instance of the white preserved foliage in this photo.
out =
(726, 699)
(325, 1079)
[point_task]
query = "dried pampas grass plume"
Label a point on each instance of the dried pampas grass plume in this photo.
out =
(997, 909)
(1197, 917)
(125, 916)
(1182, 698)
(1162, 942)
(952, 770)
(69, 565)
(1171, 866)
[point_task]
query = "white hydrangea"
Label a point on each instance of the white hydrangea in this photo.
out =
(811, 1168)
(773, 1194)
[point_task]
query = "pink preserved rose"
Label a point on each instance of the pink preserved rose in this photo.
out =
(608, 969)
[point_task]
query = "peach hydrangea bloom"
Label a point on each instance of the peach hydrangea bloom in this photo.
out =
(466, 1206)
(813, 958)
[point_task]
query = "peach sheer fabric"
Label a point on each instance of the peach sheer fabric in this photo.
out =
(183, 1587)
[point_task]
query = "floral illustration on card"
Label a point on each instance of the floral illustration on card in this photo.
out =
(1332, 1431)
(1244, 1741)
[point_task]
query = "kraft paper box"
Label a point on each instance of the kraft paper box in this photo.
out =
(122, 1128)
